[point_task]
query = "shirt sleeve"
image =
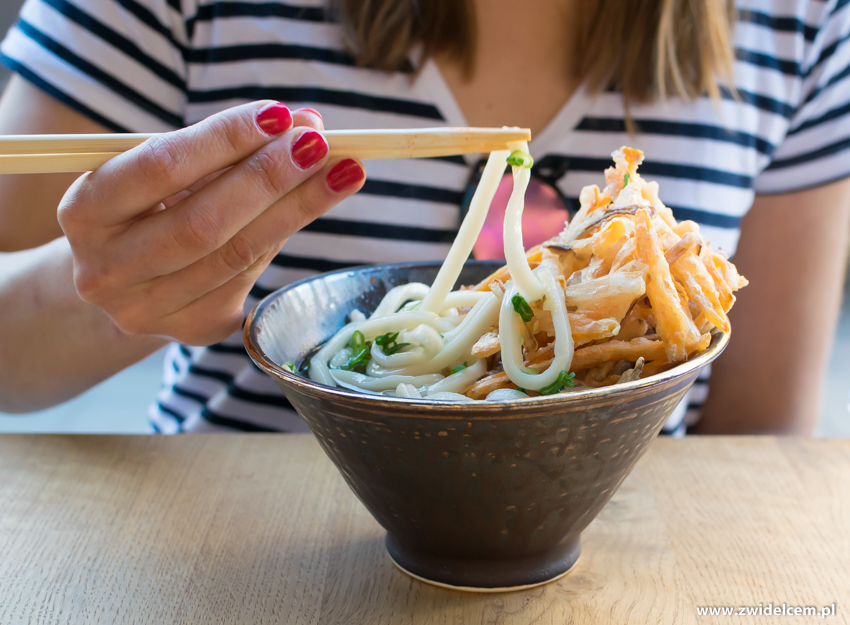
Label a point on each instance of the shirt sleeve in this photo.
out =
(816, 147)
(119, 62)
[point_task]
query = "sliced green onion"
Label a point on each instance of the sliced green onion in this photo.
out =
(361, 353)
(411, 305)
(522, 390)
(389, 350)
(389, 344)
(386, 339)
(459, 368)
(518, 158)
(522, 307)
(357, 341)
(564, 379)
(358, 361)
(290, 366)
(626, 179)
(531, 371)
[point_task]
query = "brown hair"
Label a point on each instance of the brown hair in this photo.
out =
(646, 49)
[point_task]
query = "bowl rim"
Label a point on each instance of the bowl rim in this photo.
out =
(718, 343)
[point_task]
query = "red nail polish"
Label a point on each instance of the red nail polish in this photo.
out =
(345, 174)
(309, 110)
(274, 118)
(309, 149)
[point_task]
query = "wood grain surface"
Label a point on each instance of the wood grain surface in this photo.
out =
(262, 529)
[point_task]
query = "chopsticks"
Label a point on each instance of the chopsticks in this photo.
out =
(41, 154)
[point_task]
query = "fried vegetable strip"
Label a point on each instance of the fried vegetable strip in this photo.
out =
(675, 327)
(487, 345)
(661, 364)
(634, 372)
(610, 296)
(593, 355)
(699, 285)
(625, 255)
(730, 273)
(584, 358)
(688, 244)
(586, 329)
(683, 227)
(723, 290)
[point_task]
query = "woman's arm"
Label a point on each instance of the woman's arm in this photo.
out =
(793, 250)
(164, 241)
(28, 202)
(53, 345)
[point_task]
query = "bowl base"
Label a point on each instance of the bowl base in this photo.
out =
(486, 575)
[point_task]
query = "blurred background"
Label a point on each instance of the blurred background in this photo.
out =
(119, 405)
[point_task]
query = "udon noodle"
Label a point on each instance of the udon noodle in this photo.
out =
(624, 278)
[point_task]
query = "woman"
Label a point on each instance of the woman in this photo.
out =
(770, 145)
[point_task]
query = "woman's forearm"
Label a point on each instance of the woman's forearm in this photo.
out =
(154, 249)
(793, 250)
(53, 346)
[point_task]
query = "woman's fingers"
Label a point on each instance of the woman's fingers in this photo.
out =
(217, 314)
(263, 236)
(310, 200)
(179, 197)
(132, 182)
(209, 319)
(300, 117)
(172, 239)
(307, 118)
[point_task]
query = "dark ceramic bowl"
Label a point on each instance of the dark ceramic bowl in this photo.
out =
(483, 496)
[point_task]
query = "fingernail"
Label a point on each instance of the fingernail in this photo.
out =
(274, 118)
(308, 110)
(309, 149)
(345, 174)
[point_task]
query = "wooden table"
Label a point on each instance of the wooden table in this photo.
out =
(262, 529)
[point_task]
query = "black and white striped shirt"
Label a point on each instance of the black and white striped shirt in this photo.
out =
(155, 65)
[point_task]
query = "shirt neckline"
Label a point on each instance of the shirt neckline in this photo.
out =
(564, 121)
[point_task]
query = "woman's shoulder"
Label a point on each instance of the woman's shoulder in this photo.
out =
(791, 29)
(792, 67)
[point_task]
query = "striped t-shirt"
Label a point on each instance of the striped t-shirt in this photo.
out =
(156, 65)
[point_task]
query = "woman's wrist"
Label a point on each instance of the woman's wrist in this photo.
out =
(53, 345)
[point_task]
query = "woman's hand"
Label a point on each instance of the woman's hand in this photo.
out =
(170, 237)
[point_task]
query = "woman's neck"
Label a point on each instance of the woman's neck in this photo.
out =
(523, 64)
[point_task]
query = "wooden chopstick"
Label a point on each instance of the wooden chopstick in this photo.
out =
(25, 154)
